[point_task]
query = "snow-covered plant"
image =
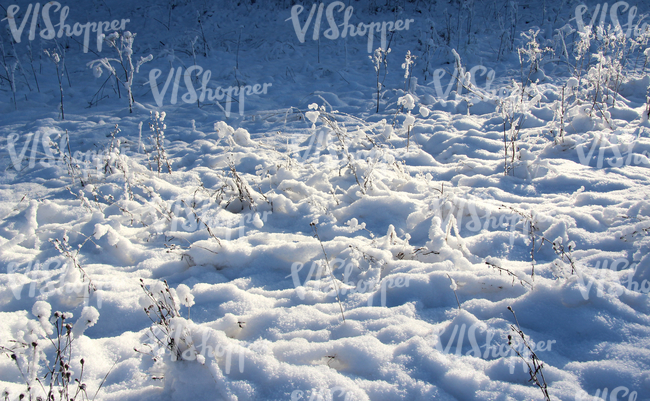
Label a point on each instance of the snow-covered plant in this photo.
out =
(563, 253)
(113, 160)
(581, 52)
(560, 48)
(535, 366)
(514, 108)
(611, 60)
(599, 82)
(560, 112)
(495, 263)
(408, 102)
(65, 249)
(124, 51)
(39, 341)
(599, 64)
(560, 108)
(465, 81)
(162, 306)
(206, 46)
(319, 139)
(534, 53)
(243, 195)
(31, 61)
(157, 139)
(343, 140)
(200, 220)
(463, 77)
(379, 58)
(406, 66)
(68, 159)
(57, 60)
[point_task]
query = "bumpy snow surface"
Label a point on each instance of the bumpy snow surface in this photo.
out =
(287, 213)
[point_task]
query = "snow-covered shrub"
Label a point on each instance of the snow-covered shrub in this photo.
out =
(465, 80)
(112, 161)
(604, 59)
(361, 163)
(162, 306)
(157, 139)
(65, 249)
(59, 63)
(514, 108)
(534, 53)
(42, 352)
(243, 191)
(408, 102)
(409, 60)
(125, 60)
(379, 58)
(72, 165)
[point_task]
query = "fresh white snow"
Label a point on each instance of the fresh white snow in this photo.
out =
(252, 229)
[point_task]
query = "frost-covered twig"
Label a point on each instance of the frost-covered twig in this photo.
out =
(199, 220)
(533, 51)
(406, 66)
(508, 272)
(157, 138)
(125, 60)
(243, 193)
(65, 249)
(535, 365)
(56, 59)
(379, 58)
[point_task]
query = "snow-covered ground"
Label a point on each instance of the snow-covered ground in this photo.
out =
(253, 229)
